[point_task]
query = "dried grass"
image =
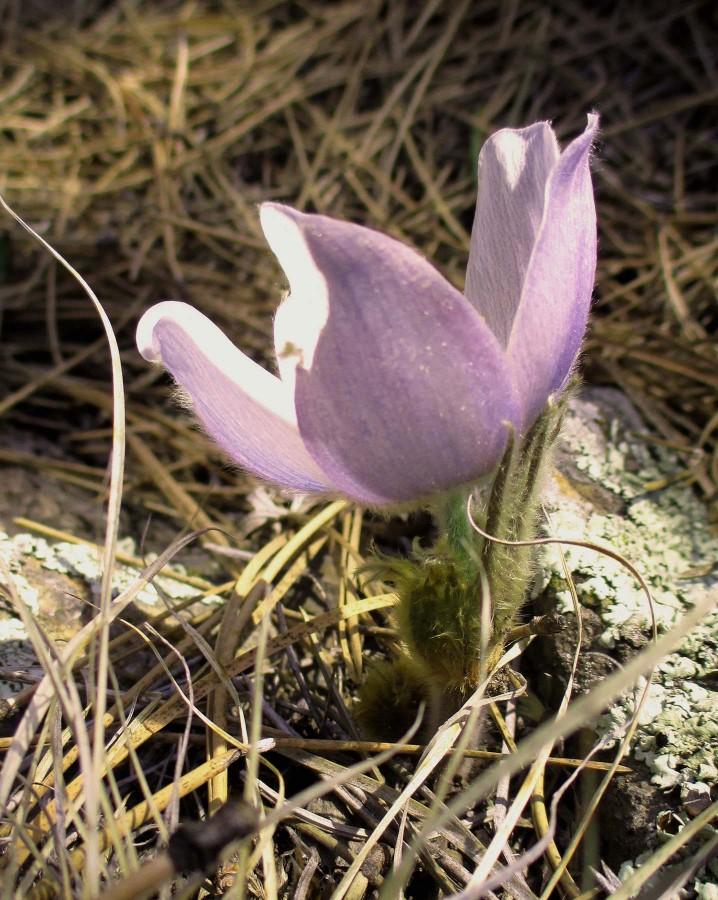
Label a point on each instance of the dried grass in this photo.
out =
(137, 139)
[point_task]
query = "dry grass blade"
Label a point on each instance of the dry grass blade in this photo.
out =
(43, 694)
(92, 809)
(327, 747)
(120, 556)
(137, 140)
(578, 714)
(525, 792)
(430, 759)
(349, 637)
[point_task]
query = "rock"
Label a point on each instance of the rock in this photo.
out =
(616, 487)
(59, 582)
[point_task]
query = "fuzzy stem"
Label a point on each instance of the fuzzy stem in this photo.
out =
(494, 517)
(459, 600)
(452, 522)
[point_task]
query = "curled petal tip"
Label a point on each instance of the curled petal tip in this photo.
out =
(248, 411)
(147, 343)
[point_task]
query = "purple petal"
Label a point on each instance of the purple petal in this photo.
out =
(244, 408)
(401, 388)
(514, 166)
(551, 318)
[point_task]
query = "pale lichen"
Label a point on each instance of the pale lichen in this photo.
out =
(84, 561)
(618, 488)
(58, 581)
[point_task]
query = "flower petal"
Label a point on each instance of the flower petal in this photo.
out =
(401, 388)
(244, 408)
(551, 318)
(303, 313)
(514, 165)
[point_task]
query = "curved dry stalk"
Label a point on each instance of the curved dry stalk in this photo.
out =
(528, 789)
(263, 568)
(457, 728)
(143, 729)
(117, 462)
(45, 691)
(579, 713)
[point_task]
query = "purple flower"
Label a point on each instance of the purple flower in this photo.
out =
(393, 385)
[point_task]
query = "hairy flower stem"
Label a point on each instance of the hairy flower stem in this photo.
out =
(491, 579)
(459, 600)
(453, 524)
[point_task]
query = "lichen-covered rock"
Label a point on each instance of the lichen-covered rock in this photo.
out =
(59, 583)
(617, 487)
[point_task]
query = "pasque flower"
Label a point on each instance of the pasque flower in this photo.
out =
(392, 384)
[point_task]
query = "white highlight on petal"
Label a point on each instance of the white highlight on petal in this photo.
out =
(263, 387)
(303, 314)
(510, 148)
